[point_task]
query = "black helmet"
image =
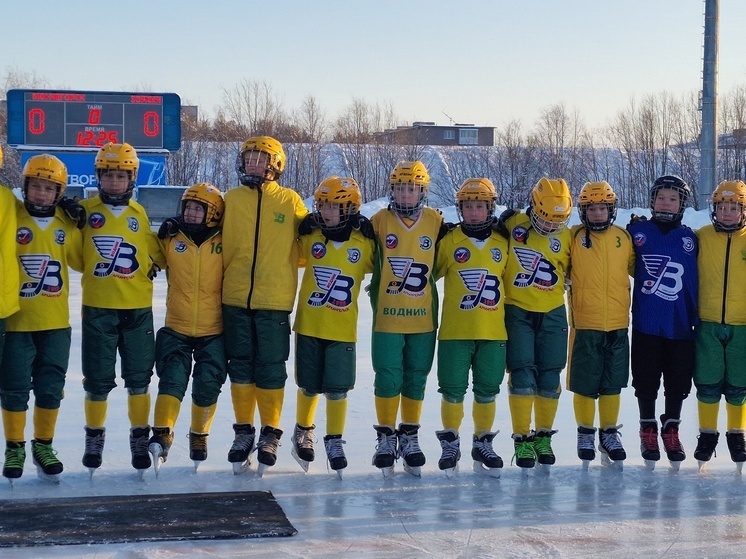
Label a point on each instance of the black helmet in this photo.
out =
(674, 183)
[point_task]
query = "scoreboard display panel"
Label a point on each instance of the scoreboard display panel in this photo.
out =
(90, 119)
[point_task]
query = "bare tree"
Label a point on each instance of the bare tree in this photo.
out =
(255, 107)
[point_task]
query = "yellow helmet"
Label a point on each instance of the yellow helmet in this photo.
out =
(729, 192)
(49, 168)
(275, 165)
(597, 193)
(412, 173)
(480, 189)
(338, 190)
(117, 157)
(210, 198)
(551, 204)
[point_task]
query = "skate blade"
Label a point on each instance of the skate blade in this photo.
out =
(543, 469)
(739, 468)
(451, 472)
(387, 472)
(481, 469)
(303, 463)
(650, 464)
(339, 473)
(91, 471)
(415, 471)
(675, 465)
(609, 463)
(141, 473)
(240, 467)
(54, 479)
(702, 466)
(586, 464)
(196, 464)
(261, 468)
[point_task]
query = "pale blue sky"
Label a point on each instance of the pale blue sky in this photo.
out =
(483, 62)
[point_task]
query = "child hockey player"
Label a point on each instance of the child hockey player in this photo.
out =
(602, 259)
(37, 342)
(405, 309)
(472, 335)
(721, 334)
(192, 245)
(536, 318)
(338, 245)
(664, 313)
(9, 279)
(260, 261)
(119, 250)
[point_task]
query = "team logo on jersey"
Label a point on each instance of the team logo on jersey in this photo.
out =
(585, 241)
(497, 254)
(180, 247)
(539, 271)
(520, 234)
(120, 258)
(24, 236)
(411, 276)
(59, 236)
(639, 239)
(426, 243)
(335, 289)
(461, 255)
(353, 255)
(392, 241)
(318, 250)
(555, 245)
(133, 224)
(96, 220)
(666, 276)
(44, 274)
(688, 244)
(484, 288)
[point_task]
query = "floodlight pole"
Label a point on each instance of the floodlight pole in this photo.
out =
(709, 137)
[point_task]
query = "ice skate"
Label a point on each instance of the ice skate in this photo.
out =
(159, 445)
(15, 457)
(649, 443)
(266, 448)
(586, 445)
(486, 460)
(409, 448)
(197, 448)
(48, 466)
(243, 445)
(335, 454)
(524, 455)
(451, 453)
(737, 448)
(543, 447)
(302, 451)
(610, 447)
(386, 449)
(139, 439)
(706, 443)
(94, 449)
(671, 442)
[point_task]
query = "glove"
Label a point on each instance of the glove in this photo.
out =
(73, 210)
(363, 224)
(308, 224)
(153, 272)
(169, 228)
(498, 225)
(634, 218)
(568, 283)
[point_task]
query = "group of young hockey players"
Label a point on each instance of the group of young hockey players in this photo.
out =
(508, 282)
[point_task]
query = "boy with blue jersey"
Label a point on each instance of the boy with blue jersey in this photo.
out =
(664, 314)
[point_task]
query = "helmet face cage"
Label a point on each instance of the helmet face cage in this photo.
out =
(729, 194)
(117, 157)
(477, 190)
(210, 198)
(594, 193)
(551, 205)
(344, 192)
(409, 175)
(671, 182)
(49, 168)
(250, 152)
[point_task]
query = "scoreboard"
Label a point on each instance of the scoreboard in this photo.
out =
(90, 119)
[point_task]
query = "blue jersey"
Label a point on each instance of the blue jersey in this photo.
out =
(666, 280)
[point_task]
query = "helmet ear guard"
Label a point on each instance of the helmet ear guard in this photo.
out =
(671, 182)
(597, 193)
(729, 192)
(343, 191)
(117, 157)
(551, 205)
(409, 173)
(49, 168)
(275, 165)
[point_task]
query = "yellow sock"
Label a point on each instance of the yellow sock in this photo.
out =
(708, 416)
(483, 416)
(45, 421)
(95, 413)
(608, 410)
(167, 409)
(387, 410)
(585, 410)
(202, 417)
(14, 425)
(451, 414)
(270, 402)
(306, 409)
(736, 420)
(244, 402)
(138, 409)
(521, 408)
(336, 416)
(411, 410)
(544, 411)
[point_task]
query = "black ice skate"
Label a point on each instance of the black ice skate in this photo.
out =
(409, 448)
(48, 466)
(302, 450)
(335, 454)
(159, 445)
(450, 451)
(671, 442)
(486, 460)
(649, 443)
(243, 444)
(139, 440)
(706, 443)
(610, 447)
(586, 445)
(737, 448)
(386, 450)
(94, 448)
(266, 448)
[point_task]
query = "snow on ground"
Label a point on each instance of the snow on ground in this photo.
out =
(569, 513)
